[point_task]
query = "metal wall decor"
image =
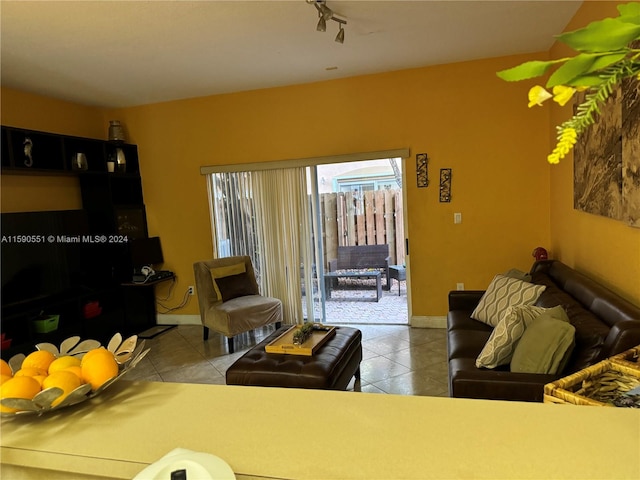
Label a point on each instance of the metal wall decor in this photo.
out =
(421, 170)
(445, 185)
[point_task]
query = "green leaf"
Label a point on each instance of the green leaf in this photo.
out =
(586, 81)
(602, 36)
(577, 66)
(630, 12)
(603, 61)
(527, 70)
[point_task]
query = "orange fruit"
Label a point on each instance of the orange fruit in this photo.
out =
(40, 359)
(76, 370)
(4, 378)
(40, 379)
(30, 372)
(94, 352)
(61, 363)
(38, 375)
(67, 381)
(18, 387)
(5, 369)
(98, 366)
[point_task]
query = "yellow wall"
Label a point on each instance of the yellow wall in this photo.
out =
(605, 249)
(462, 115)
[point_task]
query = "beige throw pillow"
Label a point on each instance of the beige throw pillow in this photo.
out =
(502, 293)
(505, 337)
(221, 272)
(545, 347)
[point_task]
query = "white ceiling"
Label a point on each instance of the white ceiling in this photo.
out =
(125, 53)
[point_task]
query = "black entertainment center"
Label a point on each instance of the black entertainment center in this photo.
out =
(74, 265)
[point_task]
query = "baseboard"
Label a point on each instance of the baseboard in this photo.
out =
(166, 319)
(428, 322)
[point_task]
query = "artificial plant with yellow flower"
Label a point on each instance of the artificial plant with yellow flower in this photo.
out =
(606, 56)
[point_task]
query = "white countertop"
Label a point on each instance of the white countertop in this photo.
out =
(314, 434)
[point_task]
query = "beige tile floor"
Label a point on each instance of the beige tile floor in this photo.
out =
(397, 359)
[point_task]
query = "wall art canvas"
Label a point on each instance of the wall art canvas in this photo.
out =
(607, 159)
(631, 152)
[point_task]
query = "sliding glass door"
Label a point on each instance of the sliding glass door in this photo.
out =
(293, 222)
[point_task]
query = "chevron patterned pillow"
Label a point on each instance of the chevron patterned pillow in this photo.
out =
(502, 293)
(505, 337)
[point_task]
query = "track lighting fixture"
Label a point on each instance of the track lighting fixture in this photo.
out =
(324, 14)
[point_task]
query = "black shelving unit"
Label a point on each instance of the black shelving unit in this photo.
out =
(114, 206)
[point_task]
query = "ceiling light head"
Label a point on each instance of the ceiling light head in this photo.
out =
(340, 36)
(322, 25)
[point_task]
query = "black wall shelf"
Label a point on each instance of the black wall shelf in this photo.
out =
(53, 154)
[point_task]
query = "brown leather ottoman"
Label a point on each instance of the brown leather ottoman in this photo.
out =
(330, 368)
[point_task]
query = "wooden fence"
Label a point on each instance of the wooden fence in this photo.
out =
(371, 218)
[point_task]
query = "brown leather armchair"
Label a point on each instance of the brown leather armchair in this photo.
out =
(229, 298)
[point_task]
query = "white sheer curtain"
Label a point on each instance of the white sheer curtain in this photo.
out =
(282, 210)
(266, 215)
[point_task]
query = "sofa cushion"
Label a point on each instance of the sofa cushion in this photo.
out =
(466, 343)
(459, 320)
(467, 381)
(503, 340)
(245, 313)
(590, 337)
(591, 332)
(544, 347)
(502, 293)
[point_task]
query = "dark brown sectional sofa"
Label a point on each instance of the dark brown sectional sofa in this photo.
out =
(605, 325)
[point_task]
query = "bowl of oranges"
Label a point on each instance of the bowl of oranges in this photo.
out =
(51, 378)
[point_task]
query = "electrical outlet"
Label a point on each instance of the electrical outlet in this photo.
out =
(459, 286)
(190, 289)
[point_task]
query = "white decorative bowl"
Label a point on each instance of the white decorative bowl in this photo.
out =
(128, 354)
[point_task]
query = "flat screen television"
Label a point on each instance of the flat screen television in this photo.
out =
(43, 254)
(146, 252)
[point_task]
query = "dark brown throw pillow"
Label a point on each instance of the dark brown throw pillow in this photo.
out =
(235, 286)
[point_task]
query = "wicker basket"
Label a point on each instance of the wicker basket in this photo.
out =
(629, 358)
(570, 389)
